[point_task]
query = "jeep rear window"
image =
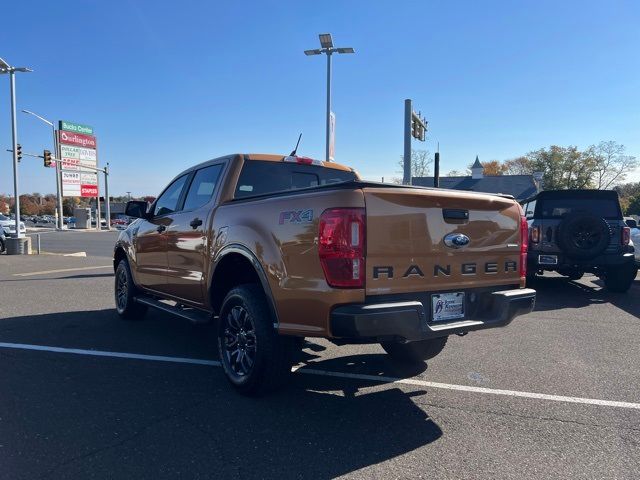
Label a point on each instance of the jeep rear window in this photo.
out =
(561, 207)
(261, 177)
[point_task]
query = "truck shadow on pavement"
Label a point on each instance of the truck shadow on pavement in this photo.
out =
(142, 419)
(557, 292)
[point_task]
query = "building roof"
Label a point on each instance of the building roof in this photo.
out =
(477, 163)
(520, 186)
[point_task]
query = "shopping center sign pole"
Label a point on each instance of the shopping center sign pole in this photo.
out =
(60, 221)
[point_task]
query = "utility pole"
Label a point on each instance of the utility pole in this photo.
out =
(414, 126)
(106, 195)
(408, 109)
(436, 168)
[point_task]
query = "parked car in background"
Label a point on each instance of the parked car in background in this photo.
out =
(3, 243)
(577, 231)
(119, 223)
(9, 225)
(635, 238)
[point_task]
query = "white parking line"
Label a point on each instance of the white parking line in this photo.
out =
(357, 376)
(60, 270)
(102, 353)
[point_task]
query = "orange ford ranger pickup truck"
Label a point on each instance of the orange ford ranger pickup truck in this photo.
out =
(281, 248)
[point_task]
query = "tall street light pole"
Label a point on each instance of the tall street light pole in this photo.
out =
(60, 224)
(6, 68)
(326, 42)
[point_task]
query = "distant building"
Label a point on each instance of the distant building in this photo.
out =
(520, 186)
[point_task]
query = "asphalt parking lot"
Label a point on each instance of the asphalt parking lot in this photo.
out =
(84, 394)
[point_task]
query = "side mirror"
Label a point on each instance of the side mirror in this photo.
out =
(136, 209)
(631, 223)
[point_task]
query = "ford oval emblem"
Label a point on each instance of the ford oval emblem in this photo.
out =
(456, 240)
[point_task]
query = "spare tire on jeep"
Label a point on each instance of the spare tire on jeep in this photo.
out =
(583, 235)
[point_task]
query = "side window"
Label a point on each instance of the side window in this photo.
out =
(202, 187)
(530, 209)
(168, 201)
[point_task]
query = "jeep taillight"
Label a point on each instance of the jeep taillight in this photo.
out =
(625, 236)
(341, 246)
(535, 234)
(524, 244)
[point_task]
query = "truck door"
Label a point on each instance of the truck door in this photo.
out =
(188, 235)
(151, 238)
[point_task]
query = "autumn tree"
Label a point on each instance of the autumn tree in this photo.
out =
(4, 204)
(517, 166)
(562, 167)
(493, 167)
(633, 207)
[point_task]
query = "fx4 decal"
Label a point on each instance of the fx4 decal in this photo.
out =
(296, 216)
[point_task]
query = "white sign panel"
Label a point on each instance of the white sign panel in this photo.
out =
(332, 136)
(85, 182)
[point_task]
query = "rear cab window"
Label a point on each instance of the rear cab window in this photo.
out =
(260, 177)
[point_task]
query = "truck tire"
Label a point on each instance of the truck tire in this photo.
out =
(583, 235)
(620, 279)
(125, 291)
(415, 352)
(255, 359)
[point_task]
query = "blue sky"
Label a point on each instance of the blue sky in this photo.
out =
(169, 84)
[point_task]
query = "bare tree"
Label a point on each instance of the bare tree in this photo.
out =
(420, 164)
(611, 165)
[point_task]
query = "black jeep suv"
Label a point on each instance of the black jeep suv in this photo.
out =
(577, 231)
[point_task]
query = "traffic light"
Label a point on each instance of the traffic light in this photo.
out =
(19, 152)
(418, 127)
(47, 158)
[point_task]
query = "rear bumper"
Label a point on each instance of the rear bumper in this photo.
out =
(411, 320)
(599, 262)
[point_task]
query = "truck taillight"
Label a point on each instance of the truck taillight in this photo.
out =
(535, 234)
(341, 246)
(524, 245)
(625, 236)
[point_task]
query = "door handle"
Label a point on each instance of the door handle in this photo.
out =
(161, 228)
(195, 223)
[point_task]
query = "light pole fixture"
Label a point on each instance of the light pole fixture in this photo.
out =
(60, 221)
(6, 68)
(326, 42)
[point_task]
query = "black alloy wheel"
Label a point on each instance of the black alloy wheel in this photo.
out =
(255, 358)
(122, 289)
(240, 343)
(124, 294)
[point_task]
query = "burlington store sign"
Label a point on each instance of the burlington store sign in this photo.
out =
(78, 150)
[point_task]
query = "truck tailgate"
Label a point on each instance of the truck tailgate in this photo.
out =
(406, 230)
